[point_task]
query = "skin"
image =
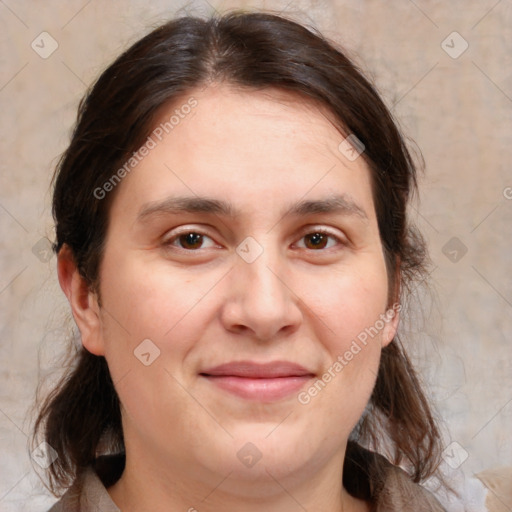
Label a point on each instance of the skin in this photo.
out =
(202, 306)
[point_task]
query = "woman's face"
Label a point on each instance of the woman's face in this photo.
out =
(243, 291)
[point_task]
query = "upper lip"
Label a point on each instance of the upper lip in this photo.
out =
(253, 370)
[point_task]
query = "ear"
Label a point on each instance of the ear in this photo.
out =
(391, 320)
(392, 315)
(83, 302)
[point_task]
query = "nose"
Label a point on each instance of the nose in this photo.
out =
(261, 301)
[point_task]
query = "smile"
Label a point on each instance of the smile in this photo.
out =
(259, 382)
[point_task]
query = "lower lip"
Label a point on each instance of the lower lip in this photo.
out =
(263, 390)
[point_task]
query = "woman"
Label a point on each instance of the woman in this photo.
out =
(233, 241)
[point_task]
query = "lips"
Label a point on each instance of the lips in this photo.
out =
(265, 382)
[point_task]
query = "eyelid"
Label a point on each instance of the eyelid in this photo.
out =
(339, 236)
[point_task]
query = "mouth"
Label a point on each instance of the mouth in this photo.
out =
(267, 382)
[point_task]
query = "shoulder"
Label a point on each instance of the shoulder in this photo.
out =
(89, 492)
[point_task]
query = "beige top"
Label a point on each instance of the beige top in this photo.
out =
(89, 494)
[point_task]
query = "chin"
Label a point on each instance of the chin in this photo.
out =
(263, 454)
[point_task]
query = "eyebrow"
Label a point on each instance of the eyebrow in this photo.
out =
(341, 204)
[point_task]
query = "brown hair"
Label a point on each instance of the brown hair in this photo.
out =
(81, 416)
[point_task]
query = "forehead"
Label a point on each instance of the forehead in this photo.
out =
(245, 145)
(242, 118)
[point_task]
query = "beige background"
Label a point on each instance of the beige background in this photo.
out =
(457, 110)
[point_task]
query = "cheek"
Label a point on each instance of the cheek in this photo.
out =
(348, 303)
(149, 298)
(349, 326)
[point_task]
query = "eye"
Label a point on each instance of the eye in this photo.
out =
(190, 241)
(319, 239)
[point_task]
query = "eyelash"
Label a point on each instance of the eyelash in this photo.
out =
(321, 231)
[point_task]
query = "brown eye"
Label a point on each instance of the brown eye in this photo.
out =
(319, 240)
(316, 240)
(190, 240)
